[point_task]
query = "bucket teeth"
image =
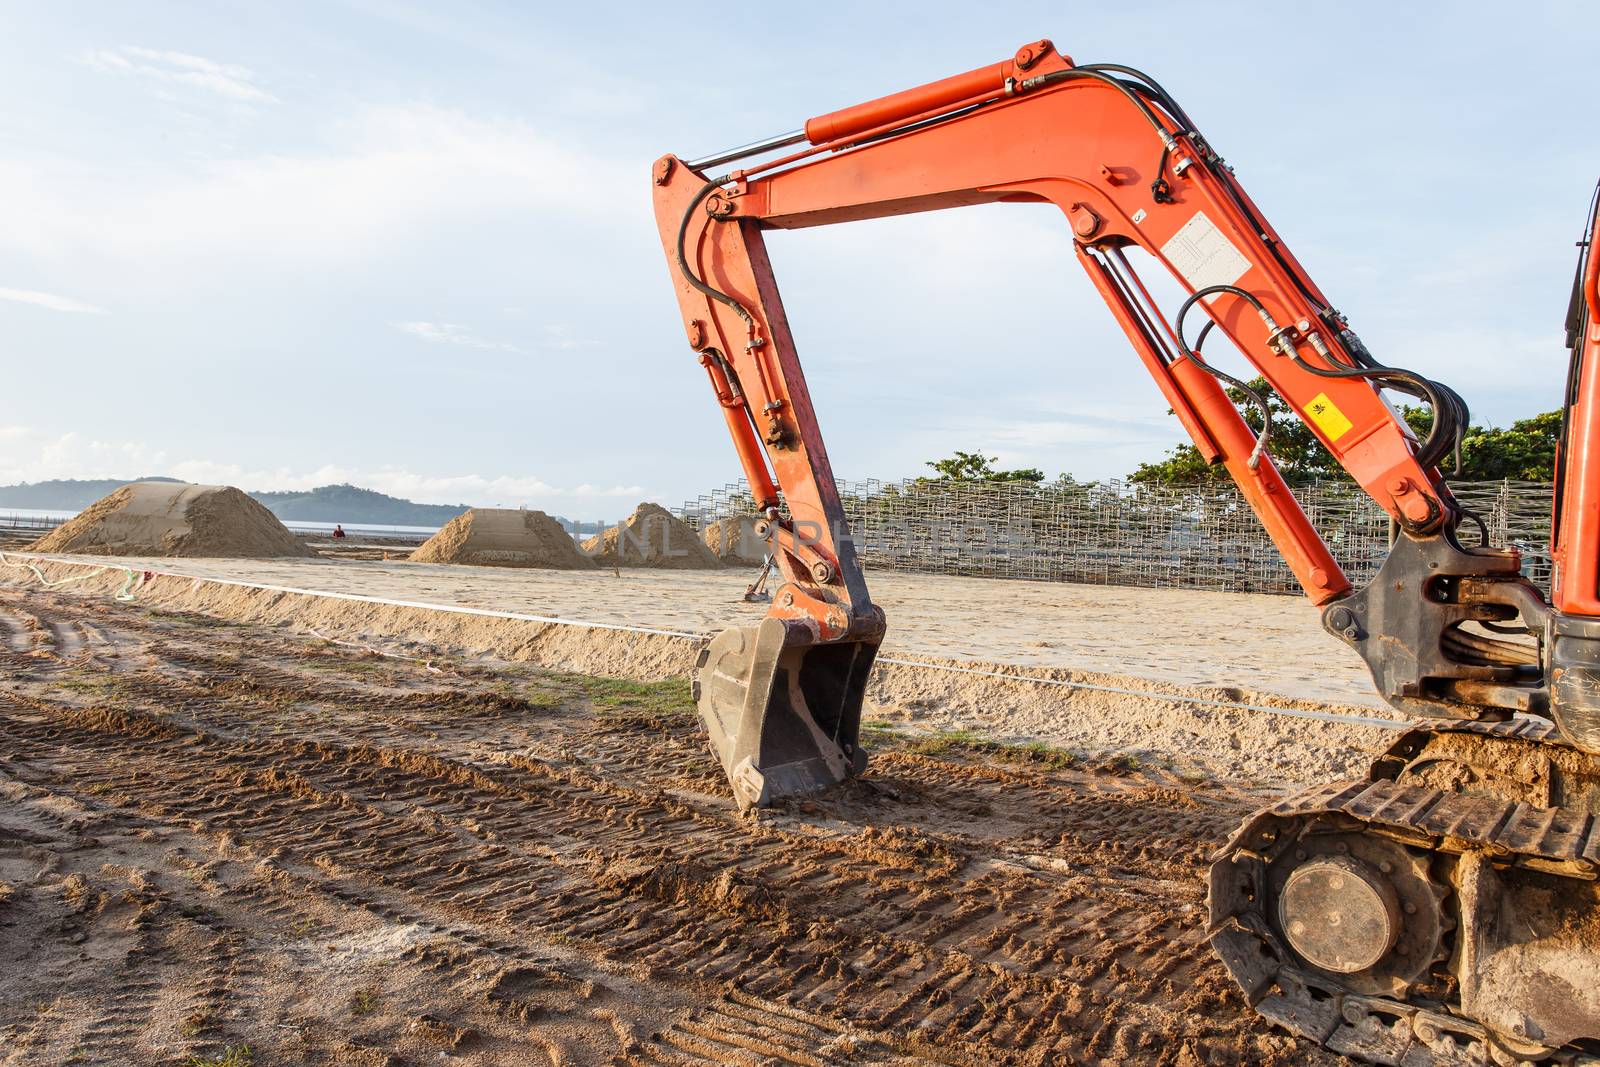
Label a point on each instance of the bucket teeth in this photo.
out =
(782, 713)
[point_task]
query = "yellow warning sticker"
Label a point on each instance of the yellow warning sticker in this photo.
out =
(1329, 419)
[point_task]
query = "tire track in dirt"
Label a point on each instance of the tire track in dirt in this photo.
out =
(960, 956)
(742, 1029)
(209, 975)
(898, 914)
(15, 635)
(47, 639)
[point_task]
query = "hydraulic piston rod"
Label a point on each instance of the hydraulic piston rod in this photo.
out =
(754, 148)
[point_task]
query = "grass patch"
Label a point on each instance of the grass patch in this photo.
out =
(95, 684)
(664, 703)
(971, 743)
(341, 664)
(876, 731)
(536, 699)
(545, 698)
(363, 1002)
(190, 618)
(945, 742)
(232, 1056)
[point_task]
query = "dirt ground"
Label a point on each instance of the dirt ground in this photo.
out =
(233, 844)
(1212, 720)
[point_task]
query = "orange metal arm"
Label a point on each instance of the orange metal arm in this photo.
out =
(1037, 129)
(1575, 541)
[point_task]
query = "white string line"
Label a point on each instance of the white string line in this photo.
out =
(1299, 713)
(130, 585)
(46, 582)
(361, 598)
(427, 664)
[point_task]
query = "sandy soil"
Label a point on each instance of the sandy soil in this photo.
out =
(218, 837)
(908, 690)
(651, 537)
(1271, 644)
(503, 537)
(734, 541)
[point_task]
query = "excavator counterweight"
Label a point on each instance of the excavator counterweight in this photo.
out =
(1443, 909)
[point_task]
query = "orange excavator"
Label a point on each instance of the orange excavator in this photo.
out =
(1442, 910)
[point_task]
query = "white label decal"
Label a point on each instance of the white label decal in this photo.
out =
(1138, 216)
(1204, 255)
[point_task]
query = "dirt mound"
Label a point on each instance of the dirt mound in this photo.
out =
(502, 537)
(651, 537)
(174, 519)
(734, 540)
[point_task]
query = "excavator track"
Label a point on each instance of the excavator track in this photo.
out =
(1390, 883)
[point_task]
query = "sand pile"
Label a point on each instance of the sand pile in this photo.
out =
(734, 540)
(651, 537)
(502, 537)
(174, 519)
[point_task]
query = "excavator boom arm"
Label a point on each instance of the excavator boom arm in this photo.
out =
(1122, 161)
(1087, 142)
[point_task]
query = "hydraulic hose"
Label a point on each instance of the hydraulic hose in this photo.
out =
(1222, 375)
(1449, 410)
(683, 258)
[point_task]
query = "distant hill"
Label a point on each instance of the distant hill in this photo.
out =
(64, 494)
(326, 503)
(349, 503)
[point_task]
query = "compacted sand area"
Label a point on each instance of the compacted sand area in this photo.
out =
(1194, 637)
(230, 843)
(1178, 662)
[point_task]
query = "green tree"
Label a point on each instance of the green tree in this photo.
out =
(976, 467)
(1299, 455)
(1526, 450)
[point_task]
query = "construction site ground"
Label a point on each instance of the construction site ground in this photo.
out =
(1176, 677)
(237, 843)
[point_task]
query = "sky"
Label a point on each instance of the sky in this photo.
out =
(410, 245)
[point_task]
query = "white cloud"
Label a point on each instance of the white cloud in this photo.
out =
(563, 338)
(51, 301)
(181, 68)
(383, 174)
(556, 338)
(32, 455)
(448, 333)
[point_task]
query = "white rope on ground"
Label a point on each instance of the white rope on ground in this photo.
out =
(359, 598)
(428, 664)
(196, 580)
(130, 586)
(47, 583)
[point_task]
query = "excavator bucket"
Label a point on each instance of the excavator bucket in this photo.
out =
(783, 712)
